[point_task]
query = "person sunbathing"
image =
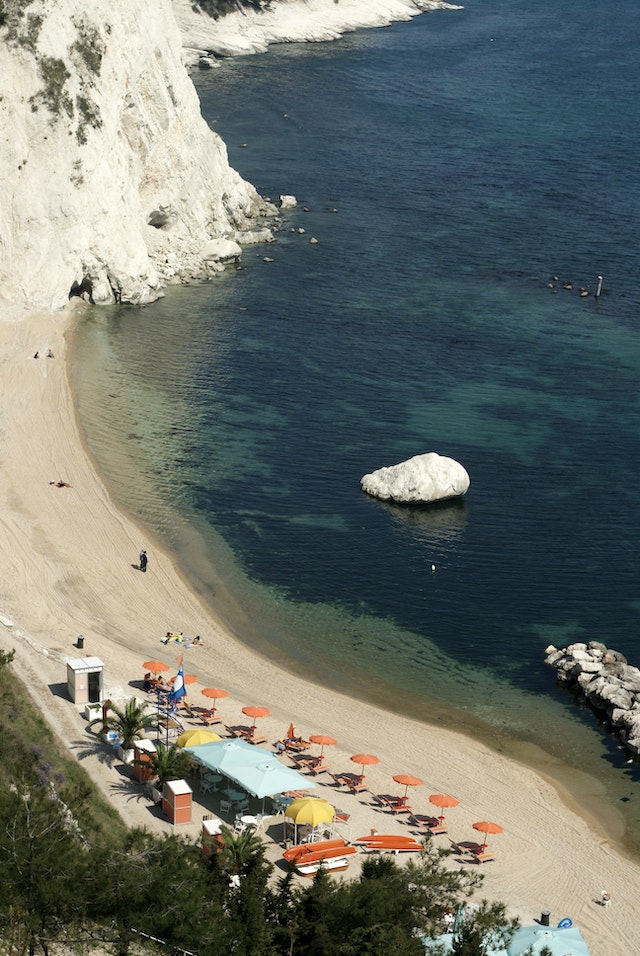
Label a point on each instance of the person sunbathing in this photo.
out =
(60, 484)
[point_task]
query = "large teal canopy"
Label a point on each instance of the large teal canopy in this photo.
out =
(528, 939)
(255, 770)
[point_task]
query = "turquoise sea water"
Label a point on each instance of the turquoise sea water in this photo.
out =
(448, 167)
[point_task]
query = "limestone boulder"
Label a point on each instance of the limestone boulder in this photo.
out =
(419, 480)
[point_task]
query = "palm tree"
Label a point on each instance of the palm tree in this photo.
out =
(240, 850)
(130, 722)
(167, 763)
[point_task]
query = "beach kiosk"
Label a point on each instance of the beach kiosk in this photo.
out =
(210, 835)
(85, 680)
(141, 751)
(176, 801)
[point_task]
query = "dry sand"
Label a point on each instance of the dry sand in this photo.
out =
(68, 557)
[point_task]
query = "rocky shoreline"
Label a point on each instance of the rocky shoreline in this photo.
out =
(603, 678)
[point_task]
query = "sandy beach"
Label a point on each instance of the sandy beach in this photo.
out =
(69, 559)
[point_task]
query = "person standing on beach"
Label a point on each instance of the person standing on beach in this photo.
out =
(143, 560)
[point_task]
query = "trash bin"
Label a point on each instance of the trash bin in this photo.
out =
(544, 917)
(80, 642)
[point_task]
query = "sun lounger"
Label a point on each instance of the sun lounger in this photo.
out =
(338, 779)
(317, 769)
(209, 717)
(431, 825)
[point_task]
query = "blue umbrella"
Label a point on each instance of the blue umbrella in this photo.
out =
(255, 770)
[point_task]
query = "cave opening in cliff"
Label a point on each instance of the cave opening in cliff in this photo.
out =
(83, 289)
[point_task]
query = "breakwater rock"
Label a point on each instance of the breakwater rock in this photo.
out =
(606, 681)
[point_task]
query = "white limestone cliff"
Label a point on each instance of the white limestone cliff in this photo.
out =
(112, 182)
(419, 480)
(251, 30)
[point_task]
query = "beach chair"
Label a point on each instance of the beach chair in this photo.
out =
(209, 717)
(357, 786)
(339, 779)
(314, 769)
(397, 808)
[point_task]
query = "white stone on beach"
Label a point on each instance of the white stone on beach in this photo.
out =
(421, 479)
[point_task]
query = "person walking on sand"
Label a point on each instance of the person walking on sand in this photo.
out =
(143, 560)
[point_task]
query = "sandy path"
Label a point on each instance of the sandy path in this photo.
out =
(67, 569)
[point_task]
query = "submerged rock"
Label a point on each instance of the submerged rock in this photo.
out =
(419, 480)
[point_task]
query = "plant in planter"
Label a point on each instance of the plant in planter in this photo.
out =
(167, 763)
(129, 723)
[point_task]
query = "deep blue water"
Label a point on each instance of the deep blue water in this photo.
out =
(448, 167)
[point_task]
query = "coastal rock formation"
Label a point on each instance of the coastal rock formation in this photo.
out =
(112, 182)
(250, 28)
(421, 479)
(603, 678)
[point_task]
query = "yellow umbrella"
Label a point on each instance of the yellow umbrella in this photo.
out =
(191, 738)
(312, 810)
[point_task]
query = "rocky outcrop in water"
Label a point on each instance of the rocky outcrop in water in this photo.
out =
(252, 27)
(419, 480)
(604, 679)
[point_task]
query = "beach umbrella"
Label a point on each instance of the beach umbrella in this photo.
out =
(291, 733)
(156, 667)
(365, 760)
(324, 740)
(195, 737)
(312, 810)
(216, 693)
(486, 827)
(254, 712)
(443, 801)
(406, 781)
(187, 678)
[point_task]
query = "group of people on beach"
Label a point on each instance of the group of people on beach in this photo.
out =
(49, 354)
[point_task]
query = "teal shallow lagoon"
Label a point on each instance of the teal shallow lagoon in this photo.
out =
(237, 418)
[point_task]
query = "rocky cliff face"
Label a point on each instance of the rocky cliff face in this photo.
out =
(112, 182)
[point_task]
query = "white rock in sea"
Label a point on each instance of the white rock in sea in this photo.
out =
(288, 202)
(112, 182)
(420, 479)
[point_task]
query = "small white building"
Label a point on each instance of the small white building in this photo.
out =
(85, 680)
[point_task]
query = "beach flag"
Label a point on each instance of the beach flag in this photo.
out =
(178, 690)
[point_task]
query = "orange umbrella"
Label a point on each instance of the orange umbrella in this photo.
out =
(485, 826)
(291, 733)
(443, 800)
(406, 780)
(363, 759)
(217, 693)
(324, 740)
(188, 678)
(255, 712)
(156, 667)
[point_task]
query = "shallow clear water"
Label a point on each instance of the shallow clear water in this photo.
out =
(448, 168)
